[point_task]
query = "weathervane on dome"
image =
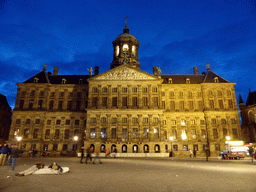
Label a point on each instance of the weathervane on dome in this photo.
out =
(126, 21)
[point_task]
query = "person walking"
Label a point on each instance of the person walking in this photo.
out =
(97, 157)
(194, 152)
(4, 151)
(114, 152)
(82, 154)
(107, 153)
(190, 153)
(88, 154)
(15, 153)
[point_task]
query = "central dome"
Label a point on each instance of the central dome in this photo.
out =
(126, 33)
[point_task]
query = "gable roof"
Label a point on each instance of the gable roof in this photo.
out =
(251, 99)
(209, 78)
(42, 78)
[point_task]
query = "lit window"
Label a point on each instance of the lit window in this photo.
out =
(183, 122)
(188, 81)
(183, 134)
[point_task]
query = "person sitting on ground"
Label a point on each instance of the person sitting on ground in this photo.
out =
(30, 170)
(55, 166)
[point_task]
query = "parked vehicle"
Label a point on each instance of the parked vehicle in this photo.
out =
(234, 151)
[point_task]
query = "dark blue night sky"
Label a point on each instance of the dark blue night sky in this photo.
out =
(173, 35)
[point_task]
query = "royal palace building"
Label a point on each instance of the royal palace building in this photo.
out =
(140, 114)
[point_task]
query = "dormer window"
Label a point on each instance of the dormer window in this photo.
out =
(36, 80)
(187, 81)
(63, 81)
(216, 80)
(80, 81)
(170, 80)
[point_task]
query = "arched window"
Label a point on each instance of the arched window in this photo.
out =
(102, 148)
(36, 80)
(92, 147)
(112, 148)
(216, 80)
(63, 81)
(146, 149)
(170, 80)
(125, 47)
(80, 81)
(124, 149)
(157, 149)
(188, 81)
(135, 148)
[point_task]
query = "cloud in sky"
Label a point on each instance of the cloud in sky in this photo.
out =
(174, 35)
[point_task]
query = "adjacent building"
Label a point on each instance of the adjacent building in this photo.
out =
(5, 118)
(140, 114)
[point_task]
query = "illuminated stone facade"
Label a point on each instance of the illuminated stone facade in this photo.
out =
(125, 107)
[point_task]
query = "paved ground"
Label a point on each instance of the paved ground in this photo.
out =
(135, 174)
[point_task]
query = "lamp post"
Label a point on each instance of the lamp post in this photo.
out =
(171, 138)
(19, 138)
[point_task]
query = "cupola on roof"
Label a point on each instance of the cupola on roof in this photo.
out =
(126, 33)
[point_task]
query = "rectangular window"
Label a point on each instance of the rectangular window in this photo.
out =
(113, 133)
(154, 89)
(66, 136)
(183, 122)
(67, 122)
(124, 120)
(114, 120)
(26, 133)
(77, 122)
(144, 89)
(230, 104)
(114, 101)
(155, 101)
(124, 90)
(181, 94)
(49, 122)
(190, 95)
(225, 133)
(233, 121)
(171, 94)
(202, 122)
(40, 104)
(235, 135)
(173, 122)
(219, 93)
(134, 120)
(51, 105)
(70, 94)
(21, 105)
(35, 134)
(41, 94)
(193, 133)
(223, 121)
(94, 90)
(124, 134)
(61, 94)
(79, 94)
(65, 147)
(114, 90)
(221, 106)
(124, 101)
(145, 120)
(60, 105)
(94, 101)
(31, 104)
(55, 147)
(145, 133)
(185, 148)
(203, 133)
(92, 133)
(195, 147)
(181, 105)
(76, 132)
(47, 134)
(215, 133)
(163, 104)
(103, 133)
(105, 90)
(37, 121)
(199, 94)
(191, 106)
(135, 133)
(200, 105)
(58, 122)
(104, 101)
(134, 101)
(192, 122)
(134, 90)
(57, 134)
(183, 134)
(52, 94)
(174, 133)
(156, 133)
(27, 121)
(18, 121)
(23, 93)
(213, 121)
(103, 120)
(175, 147)
(172, 105)
(217, 147)
(145, 101)
(69, 105)
(78, 105)
(155, 120)
(93, 120)
(211, 103)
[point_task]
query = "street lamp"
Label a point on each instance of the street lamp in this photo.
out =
(19, 138)
(75, 138)
(228, 138)
(171, 138)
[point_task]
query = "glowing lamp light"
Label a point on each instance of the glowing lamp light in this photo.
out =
(76, 138)
(234, 143)
(183, 136)
(171, 138)
(19, 138)
(228, 138)
(125, 47)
